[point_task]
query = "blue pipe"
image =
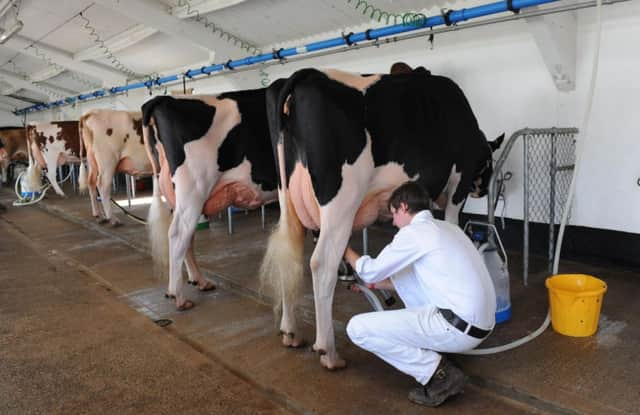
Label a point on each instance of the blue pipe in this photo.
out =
(454, 16)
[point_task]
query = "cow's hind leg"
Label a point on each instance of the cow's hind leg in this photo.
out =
(185, 219)
(195, 275)
(53, 180)
(334, 236)
(282, 268)
(105, 178)
(336, 223)
(453, 205)
(4, 165)
(93, 194)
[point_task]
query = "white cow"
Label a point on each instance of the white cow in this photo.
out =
(53, 144)
(113, 142)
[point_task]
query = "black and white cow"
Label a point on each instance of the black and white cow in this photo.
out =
(344, 142)
(209, 152)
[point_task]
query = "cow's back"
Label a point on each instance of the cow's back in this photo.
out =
(325, 129)
(185, 120)
(420, 127)
(61, 135)
(119, 132)
(424, 123)
(250, 139)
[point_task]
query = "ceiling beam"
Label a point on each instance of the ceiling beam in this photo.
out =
(39, 76)
(154, 14)
(202, 7)
(49, 91)
(6, 107)
(22, 44)
(116, 43)
(11, 101)
(556, 36)
(8, 91)
(46, 73)
(19, 100)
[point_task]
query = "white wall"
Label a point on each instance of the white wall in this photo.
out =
(9, 120)
(501, 70)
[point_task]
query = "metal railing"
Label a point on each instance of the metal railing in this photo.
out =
(548, 163)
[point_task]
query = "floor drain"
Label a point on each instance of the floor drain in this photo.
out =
(163, 322)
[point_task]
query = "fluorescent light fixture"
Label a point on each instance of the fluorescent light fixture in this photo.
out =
(11, 31)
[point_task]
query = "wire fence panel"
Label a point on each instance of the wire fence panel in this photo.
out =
(549, 159)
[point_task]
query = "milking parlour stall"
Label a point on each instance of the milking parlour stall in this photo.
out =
(330, 207)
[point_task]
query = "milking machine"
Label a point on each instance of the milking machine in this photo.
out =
(486, 239)
(29, 188)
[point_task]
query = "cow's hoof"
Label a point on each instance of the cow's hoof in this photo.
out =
(192, 282)
(187, 305)
(332, 364)
(208, 286)
(115, 224)
(170, 296)
(102, 221)
(290, 340)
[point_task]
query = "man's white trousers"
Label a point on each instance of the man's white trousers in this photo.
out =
(409, 339)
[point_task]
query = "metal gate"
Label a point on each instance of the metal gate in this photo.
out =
(548, 163)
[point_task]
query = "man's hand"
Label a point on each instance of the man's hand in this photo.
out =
(385, 284)
(3, 154)
(351, 256)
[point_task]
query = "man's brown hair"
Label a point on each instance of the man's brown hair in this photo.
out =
(413, 195)
(400, 68)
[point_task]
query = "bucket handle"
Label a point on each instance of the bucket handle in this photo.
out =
(583, 294)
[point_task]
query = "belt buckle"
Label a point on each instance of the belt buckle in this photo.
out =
(468, 328)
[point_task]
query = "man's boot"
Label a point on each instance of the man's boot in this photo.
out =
(446, 381)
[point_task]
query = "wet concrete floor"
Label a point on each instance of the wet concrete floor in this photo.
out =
(233, 331)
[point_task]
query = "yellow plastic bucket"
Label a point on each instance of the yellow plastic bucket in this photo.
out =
(575, 301)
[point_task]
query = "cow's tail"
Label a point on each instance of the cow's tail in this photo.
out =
(158, 221)
(82, 135)
(289, 85)
(148, 131)
(159, 217)
(282, 266)
(34, 172)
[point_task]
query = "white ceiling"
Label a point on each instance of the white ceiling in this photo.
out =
(56, 55)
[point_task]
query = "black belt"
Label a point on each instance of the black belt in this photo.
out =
(462, 325)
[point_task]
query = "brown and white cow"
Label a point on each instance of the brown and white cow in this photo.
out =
(113, 143)
(344, 142)
(54, 144)
(15, 144)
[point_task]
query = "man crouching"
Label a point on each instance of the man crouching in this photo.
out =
(447, 291)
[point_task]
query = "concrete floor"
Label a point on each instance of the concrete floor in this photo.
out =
(77, 277)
